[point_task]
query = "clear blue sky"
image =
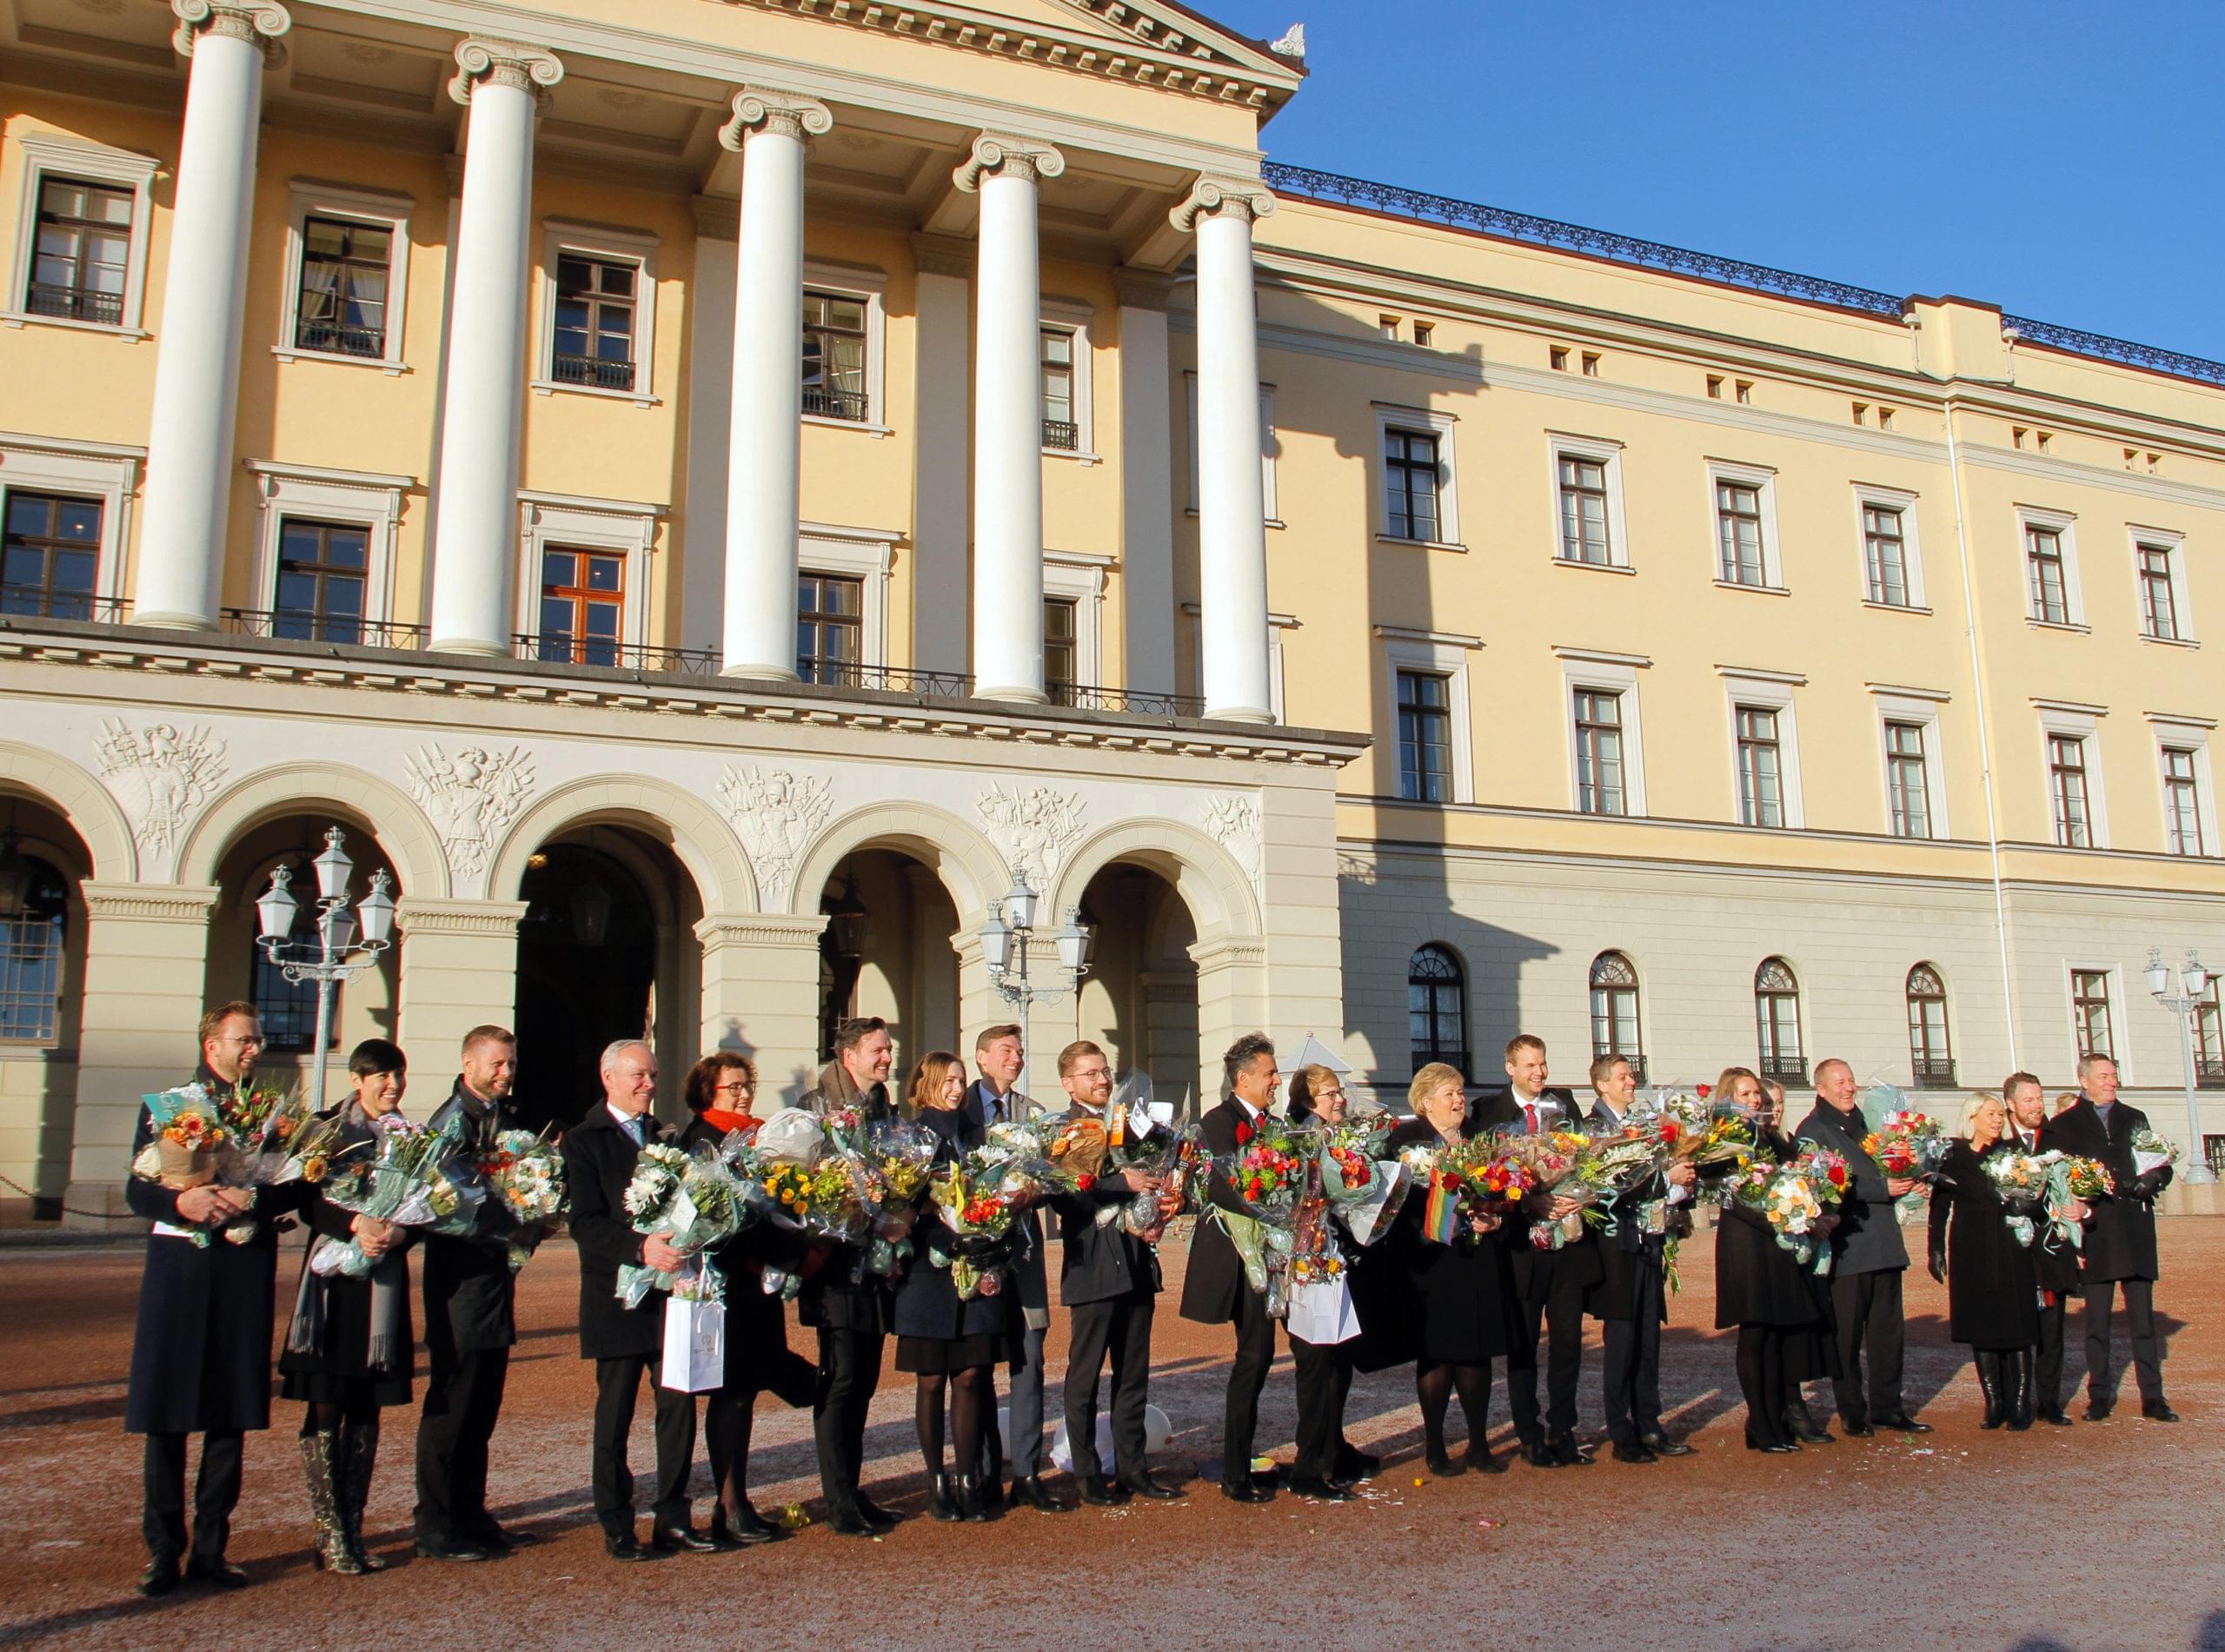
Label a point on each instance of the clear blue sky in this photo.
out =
(2061, 158)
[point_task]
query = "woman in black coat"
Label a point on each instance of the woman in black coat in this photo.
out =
(719, 1091)
(1760, 1287)
(349, 1346)
(1460, 1296)
(951, 1348)
(1992, 1281)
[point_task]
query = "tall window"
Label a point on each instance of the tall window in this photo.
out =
(2067, 788)
(1059, 670)
(582, 606)
(1599, 751)
(1738, 524)
(2209, 1038)
(32, 937)
(1885, 553)
(321, 570)
(2089, 1014)
(1777, 1022)
(288, 1009)
(830, 627)
(1059, 428)
(1614, 1029)
(2050, 594)
(1761, 783)
(595, 322)
(345, 267)
(84, 248)
(1907, 782)
(1436, 1008)
(1583, 511)
(1426, 736)
(1930, 1049)
(2159, 608)
(2183, 803)
(1410, 484)
(834, 356)
(51, 555)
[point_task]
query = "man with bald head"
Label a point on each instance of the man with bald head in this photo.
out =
(1868, 1259)
(625, 1344)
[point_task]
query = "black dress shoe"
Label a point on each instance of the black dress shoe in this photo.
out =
(2057, 1415)
(160, 1577)
(1478, 1457)
(1247, 1491)
(450, 1548)
(1902, 1423)
(1028, 1491)
(1358, 1465)
(1662, 1446)
(1306, 1485)
(1857, 1430)
(1631, 1451)
(679, 1539)
(1143, 1485)
(218, 1573)
(1538, 1454)
(500, 1540)
(850, 1523)
(1564, 1447)
(1097, 1493)
(2097, 1410)
(874, 1513)
(939, 1505)
(2158, 1411)
(1445, 1468)
(625, 1546)
(745, 1532)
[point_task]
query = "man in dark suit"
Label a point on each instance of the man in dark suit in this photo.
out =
(627, 1343)
(1631, 1299)
(1868, 1259)
(1109, 1280)
(1217, 1291)
(2030, 1131)
(2120, 1239)
(1550, 1285)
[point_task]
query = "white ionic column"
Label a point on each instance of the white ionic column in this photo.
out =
(475, 507)
(1232, 505)
(197, 351)
(765, 440)
(1009, 415)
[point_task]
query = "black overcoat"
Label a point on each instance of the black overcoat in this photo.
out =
(758, 1356)
(2121, 1238)
(1868, 1238)
(1459, 1297)
(926, 1302)
(1758, 1280)
(469, 1289)
(1992, 1291)
(832, 1300)
(342, 1358)
(599, 1159)
(1216, 1271)
(1613, 1295)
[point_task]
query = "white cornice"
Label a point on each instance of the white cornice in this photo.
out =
(1442, 639)
(1744, 674)
(2071, 473)
(1902, 691)
(1602, 657)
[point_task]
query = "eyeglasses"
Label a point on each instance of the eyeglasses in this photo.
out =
(737, 1087)
(255, 1041)
(1331, 1094)
(1086, 1074)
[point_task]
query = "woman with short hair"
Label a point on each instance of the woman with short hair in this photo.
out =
(1993, 1287)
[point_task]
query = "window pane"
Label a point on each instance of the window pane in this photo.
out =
(558, 568)
(605, 574)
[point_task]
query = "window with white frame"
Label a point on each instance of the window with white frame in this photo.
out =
(2184, 829)
(324, 553)
(1268, 449)
(1914, 764)
(2159, 568)
(598, 312)
(1065, 365)
(2052, 593)
(1606, 750)
(2093, 1016)
(1743, 499)
(1073, 620)
(66, 509)
(585, 596)
(1892, 557)
(2070, 802)
(1777, 1022)
(1765, 747)
(347, 275)
(80, 238)
(1420, 497)
(845, 348)
(1428, 680)
(842, 602)
(1425, 708)
(1060, 675)
(1588, 501)
(1761, 770)
(1599, 780)
(1931, 1046)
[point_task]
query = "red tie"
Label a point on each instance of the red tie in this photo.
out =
(1530, 1117)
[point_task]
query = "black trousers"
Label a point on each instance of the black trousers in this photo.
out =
(1325, 1377)
(1866, 1311)
(729, 1412)
(1559, 1316)
(1121, 1327)
(1629, 1376)
(2046, 1385)
(2147, 1358)
(849, 1371)
(1255, 1351)
(617, 1389)
(463, 1401)
(216, 1492)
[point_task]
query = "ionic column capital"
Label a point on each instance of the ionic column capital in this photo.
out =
(258, 21)
(1007, 155)
(764, 108)
(503, 62)
(1229, 197)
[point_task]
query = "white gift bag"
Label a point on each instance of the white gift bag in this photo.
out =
(1322, 1313)
(695, 1345)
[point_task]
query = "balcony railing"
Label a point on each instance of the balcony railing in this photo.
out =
(1788, 1072)
(1061, 433)
(557, 649)
(2209, 1072)
(337, 340)
(37, 602)
(1136, 702)
(894, 679)
(297, 625)
(592, 371)
(825, 402)
(1937, 1073)
(75, 303)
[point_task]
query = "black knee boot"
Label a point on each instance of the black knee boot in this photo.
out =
(2016, 1370)
(1990, 1384)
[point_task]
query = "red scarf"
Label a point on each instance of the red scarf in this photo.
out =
(722, 1121)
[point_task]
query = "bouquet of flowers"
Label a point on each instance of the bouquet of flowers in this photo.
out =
(2022, 1179)
(1792, 1199)
(1063, 1152)
(1465, 1180)
(1907, 1145)
(1267, 1174)
(971, 1201)
(265, 1121)
(2071, 1178)
(1555, 1160)
(1694, 1131)
(524, 1175)
(693, 1202)
(901, 1154)
(1365, 1189)
(1615, 1162)
(188, 1132)
(2151, 1152)
(404, 1181)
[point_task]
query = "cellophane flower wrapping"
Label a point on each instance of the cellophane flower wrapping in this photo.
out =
(2023, 1182)
(1267, 1174)
(404, 1177)
(1364, 1186)
(1463, 1181)
(2071, 1178)
(1555, 1161)
(1792, 1198)
(1170, 1157)
(975, 1198)
(2151, 1152)
(692, 1200)
(524, 1175)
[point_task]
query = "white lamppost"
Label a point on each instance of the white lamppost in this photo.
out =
(339, 955)
(1004, 948)
(2186, 1004)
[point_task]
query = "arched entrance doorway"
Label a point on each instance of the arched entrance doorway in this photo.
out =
(887, 952)
(41, 990)
(1140, 999)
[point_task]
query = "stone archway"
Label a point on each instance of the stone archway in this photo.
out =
(403, 832)
(82, 801)
(960, 854)
(691, 828)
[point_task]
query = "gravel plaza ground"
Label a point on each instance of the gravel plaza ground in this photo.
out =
(2098, 1536)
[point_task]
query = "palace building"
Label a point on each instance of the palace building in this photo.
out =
(707, 493)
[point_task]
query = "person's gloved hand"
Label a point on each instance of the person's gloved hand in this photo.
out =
(1939, 1263)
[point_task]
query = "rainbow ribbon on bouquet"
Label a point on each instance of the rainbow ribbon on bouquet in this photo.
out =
(1441, 1215)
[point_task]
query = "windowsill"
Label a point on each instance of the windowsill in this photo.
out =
(32, 1050)
(874, 430)
(1758, 590)
(1190, 511)
(1594, 567)
(288, 353)
(1894, 608)
(2072, 625)
(24, 318)
(1079, 456)
(2170, 642)
(550, 387)
(1421, 544)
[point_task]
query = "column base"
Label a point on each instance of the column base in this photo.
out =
(1023, 696)
(760, 673)
(1239, 715)
(79, 1199)
(479, 646)
(173, 621)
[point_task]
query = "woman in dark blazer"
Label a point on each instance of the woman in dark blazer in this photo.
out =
(1992, 1281)
(951, 1348)
(349, 1346)
(719, 1091)
(1760, 1288)
(1460, 1296)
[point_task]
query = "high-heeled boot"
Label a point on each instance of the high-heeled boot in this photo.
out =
(967, 1496)
(2017, 1369)
(359, 1457)
(1991, 1385)
(331, 1550)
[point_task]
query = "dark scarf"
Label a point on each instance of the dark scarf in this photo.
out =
(389, 1284)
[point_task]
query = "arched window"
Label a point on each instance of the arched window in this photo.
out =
(288, 1009)
(34, 911)
(1615, 1027)
(1931, 1053)
(1777, 1022)
(1436, 1007)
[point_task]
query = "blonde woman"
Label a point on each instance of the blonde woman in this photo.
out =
(1992, 1285)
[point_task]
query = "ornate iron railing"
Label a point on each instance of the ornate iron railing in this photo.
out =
(826, 402)
(565, 648)
(1934, 1074)
(1062, 434)
(2080, 343)
(892, 680)
(296, 625)
(39, 603)
(335, 339)
(1789, 1074)
(2209, 1072)
(593, 372)
(1136, 702)
(75, 303)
